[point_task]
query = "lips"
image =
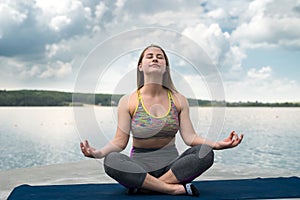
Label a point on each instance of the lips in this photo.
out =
(154, 65)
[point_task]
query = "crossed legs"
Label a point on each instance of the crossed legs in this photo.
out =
(132, 175)
(163, 186)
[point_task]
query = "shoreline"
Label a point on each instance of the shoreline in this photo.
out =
(91, 171)
(63, 98)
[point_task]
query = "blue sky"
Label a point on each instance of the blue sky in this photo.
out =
(255, 45)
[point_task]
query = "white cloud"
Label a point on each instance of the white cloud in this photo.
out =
(119, 5)
(71, 17)
(217, 13)
(57, 70)
(26, 28)
(268, 26)
(100, 10)
(10, 17)
(31, 72)
(58, 22)
(266, 90)
(217, 45)
(55, 6)
(234, 58)
(263, 73)
(51, 50)
(260, 85)
(20, 70)
(210, 38)
(171, 18)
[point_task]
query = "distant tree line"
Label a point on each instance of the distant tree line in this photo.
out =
(260, 104)
(197, 102)
(55, 98)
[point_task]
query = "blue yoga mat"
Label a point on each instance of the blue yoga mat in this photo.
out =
(259, 188)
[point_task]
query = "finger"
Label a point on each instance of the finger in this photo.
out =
(82, 147)
(230, 142)
(234, 136)
(87, 144)
(236, 142)
(241, 138)
(231, 134)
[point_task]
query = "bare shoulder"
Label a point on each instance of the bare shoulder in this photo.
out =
(129, 101)
(180, 100)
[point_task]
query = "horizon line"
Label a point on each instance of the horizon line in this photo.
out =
(227, 101)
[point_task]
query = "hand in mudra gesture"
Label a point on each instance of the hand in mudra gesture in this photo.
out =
(231, 141)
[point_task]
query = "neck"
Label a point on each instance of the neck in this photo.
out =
(152, 89)
(153, 80)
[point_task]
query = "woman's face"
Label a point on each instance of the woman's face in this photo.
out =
(153, 61)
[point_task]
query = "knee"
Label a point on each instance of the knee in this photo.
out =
(206, 154)
(210, 157)
(111, 161)
(111, 157)
(123, 170)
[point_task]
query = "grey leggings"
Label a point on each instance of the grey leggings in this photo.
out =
(131, 171)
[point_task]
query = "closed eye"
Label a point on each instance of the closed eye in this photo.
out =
(158, 56)
(150, 55)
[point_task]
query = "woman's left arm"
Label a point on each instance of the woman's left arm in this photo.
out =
(189, 135)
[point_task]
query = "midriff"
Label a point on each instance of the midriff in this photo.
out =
(153, 142)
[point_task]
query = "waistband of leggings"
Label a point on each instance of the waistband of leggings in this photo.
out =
(145, 150)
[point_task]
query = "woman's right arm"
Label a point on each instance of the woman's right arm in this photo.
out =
(121, 138)
(191, 138)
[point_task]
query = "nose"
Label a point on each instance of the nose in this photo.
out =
(155, 59)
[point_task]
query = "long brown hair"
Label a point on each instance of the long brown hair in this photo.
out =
(167, 80)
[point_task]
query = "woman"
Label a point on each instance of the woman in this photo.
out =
(154, 114)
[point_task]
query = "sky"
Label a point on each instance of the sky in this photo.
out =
(253, 46)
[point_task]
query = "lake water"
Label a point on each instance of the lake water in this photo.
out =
(33, 136)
